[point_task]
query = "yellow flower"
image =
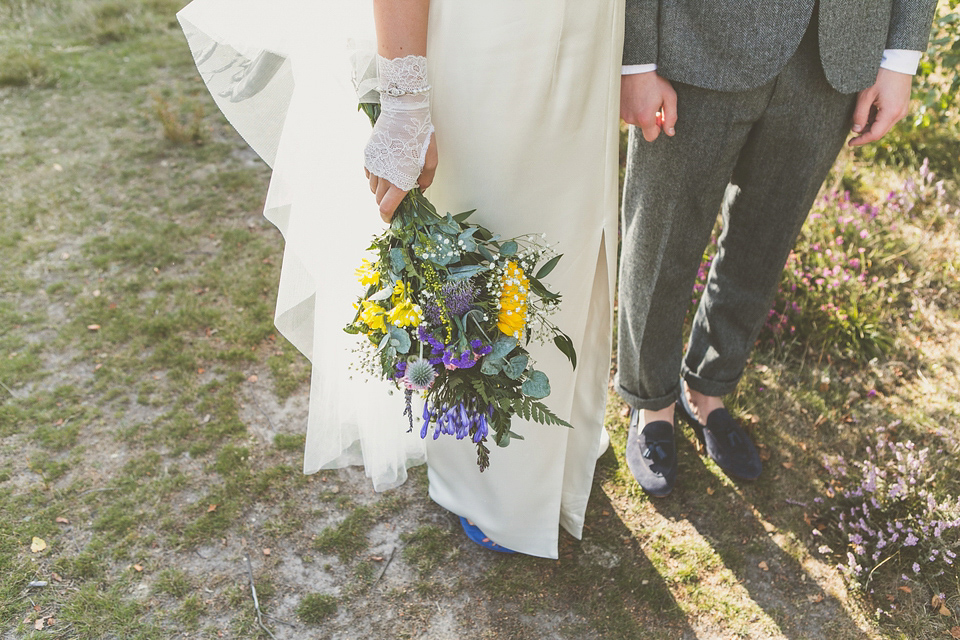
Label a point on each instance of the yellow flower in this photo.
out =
(399, 292)
(372, 316)
(367, 274)
(514, 289)
(405, 314)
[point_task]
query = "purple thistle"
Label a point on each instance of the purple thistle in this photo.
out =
(455, 299)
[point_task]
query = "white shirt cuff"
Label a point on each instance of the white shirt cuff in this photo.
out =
(630, 69)
(901, 60)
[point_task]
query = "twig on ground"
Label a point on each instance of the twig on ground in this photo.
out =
(275, 619)
(385, 566)
(8, 389)
(256, 602)
(257, 405)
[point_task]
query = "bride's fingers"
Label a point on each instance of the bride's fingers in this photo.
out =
(429, 166)
(390, 202)
(381, 188)
(373, 181)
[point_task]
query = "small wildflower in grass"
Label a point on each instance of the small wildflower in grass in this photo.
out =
(885, 516)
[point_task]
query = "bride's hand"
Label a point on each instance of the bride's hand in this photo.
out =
(389, 195)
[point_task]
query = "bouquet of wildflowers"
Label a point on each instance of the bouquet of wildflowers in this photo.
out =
(448, 312)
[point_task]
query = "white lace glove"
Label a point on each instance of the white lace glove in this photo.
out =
(398, 146)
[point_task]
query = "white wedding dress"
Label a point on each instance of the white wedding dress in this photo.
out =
(525, 103)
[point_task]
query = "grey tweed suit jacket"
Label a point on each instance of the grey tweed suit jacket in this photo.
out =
(735, 45)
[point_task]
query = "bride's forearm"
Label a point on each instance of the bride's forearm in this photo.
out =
(401, 27)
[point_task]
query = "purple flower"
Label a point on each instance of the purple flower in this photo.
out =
(460, 420)
(455, 299)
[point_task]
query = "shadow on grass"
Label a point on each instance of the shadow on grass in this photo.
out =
(604, 586)
(744, 524)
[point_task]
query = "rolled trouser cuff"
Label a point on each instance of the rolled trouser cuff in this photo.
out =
(707, 387)
(650, 404)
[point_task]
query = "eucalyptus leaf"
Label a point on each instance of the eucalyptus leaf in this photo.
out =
(483, 251)
(400, 340)
(516, 366)
(547, 268)
(465, 272)
(465, 240)
(502, 347)
(508, 248)
(491, 366)
(443, 260)
(397, 259)
(450, 226)
(514, 435)
(503, 439)
(536, 386)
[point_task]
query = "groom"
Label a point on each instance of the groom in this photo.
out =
(759, 95)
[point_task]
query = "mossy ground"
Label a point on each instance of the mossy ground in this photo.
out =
(151, 417)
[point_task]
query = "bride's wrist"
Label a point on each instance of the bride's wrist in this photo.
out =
(401, 78)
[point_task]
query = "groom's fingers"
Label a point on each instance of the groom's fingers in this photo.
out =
(881, 106)
(668, 112)
(881, 122)
(861, 114)
(640, 100)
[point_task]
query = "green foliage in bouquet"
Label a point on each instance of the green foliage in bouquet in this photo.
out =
(449, 311)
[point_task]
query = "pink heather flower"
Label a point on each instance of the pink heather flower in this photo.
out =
(863, 234)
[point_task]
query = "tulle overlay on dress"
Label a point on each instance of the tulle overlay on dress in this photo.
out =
(525, 98)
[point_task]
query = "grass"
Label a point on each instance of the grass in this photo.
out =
(151, 417)
(314, 608)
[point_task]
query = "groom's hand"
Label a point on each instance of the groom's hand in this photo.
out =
(649, 102)
(881, 106)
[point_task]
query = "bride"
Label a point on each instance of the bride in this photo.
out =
(516, 109)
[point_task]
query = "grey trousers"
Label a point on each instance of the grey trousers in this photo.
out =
(773, 146)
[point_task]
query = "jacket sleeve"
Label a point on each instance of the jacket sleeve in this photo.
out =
(641, 38)
(910, 24)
